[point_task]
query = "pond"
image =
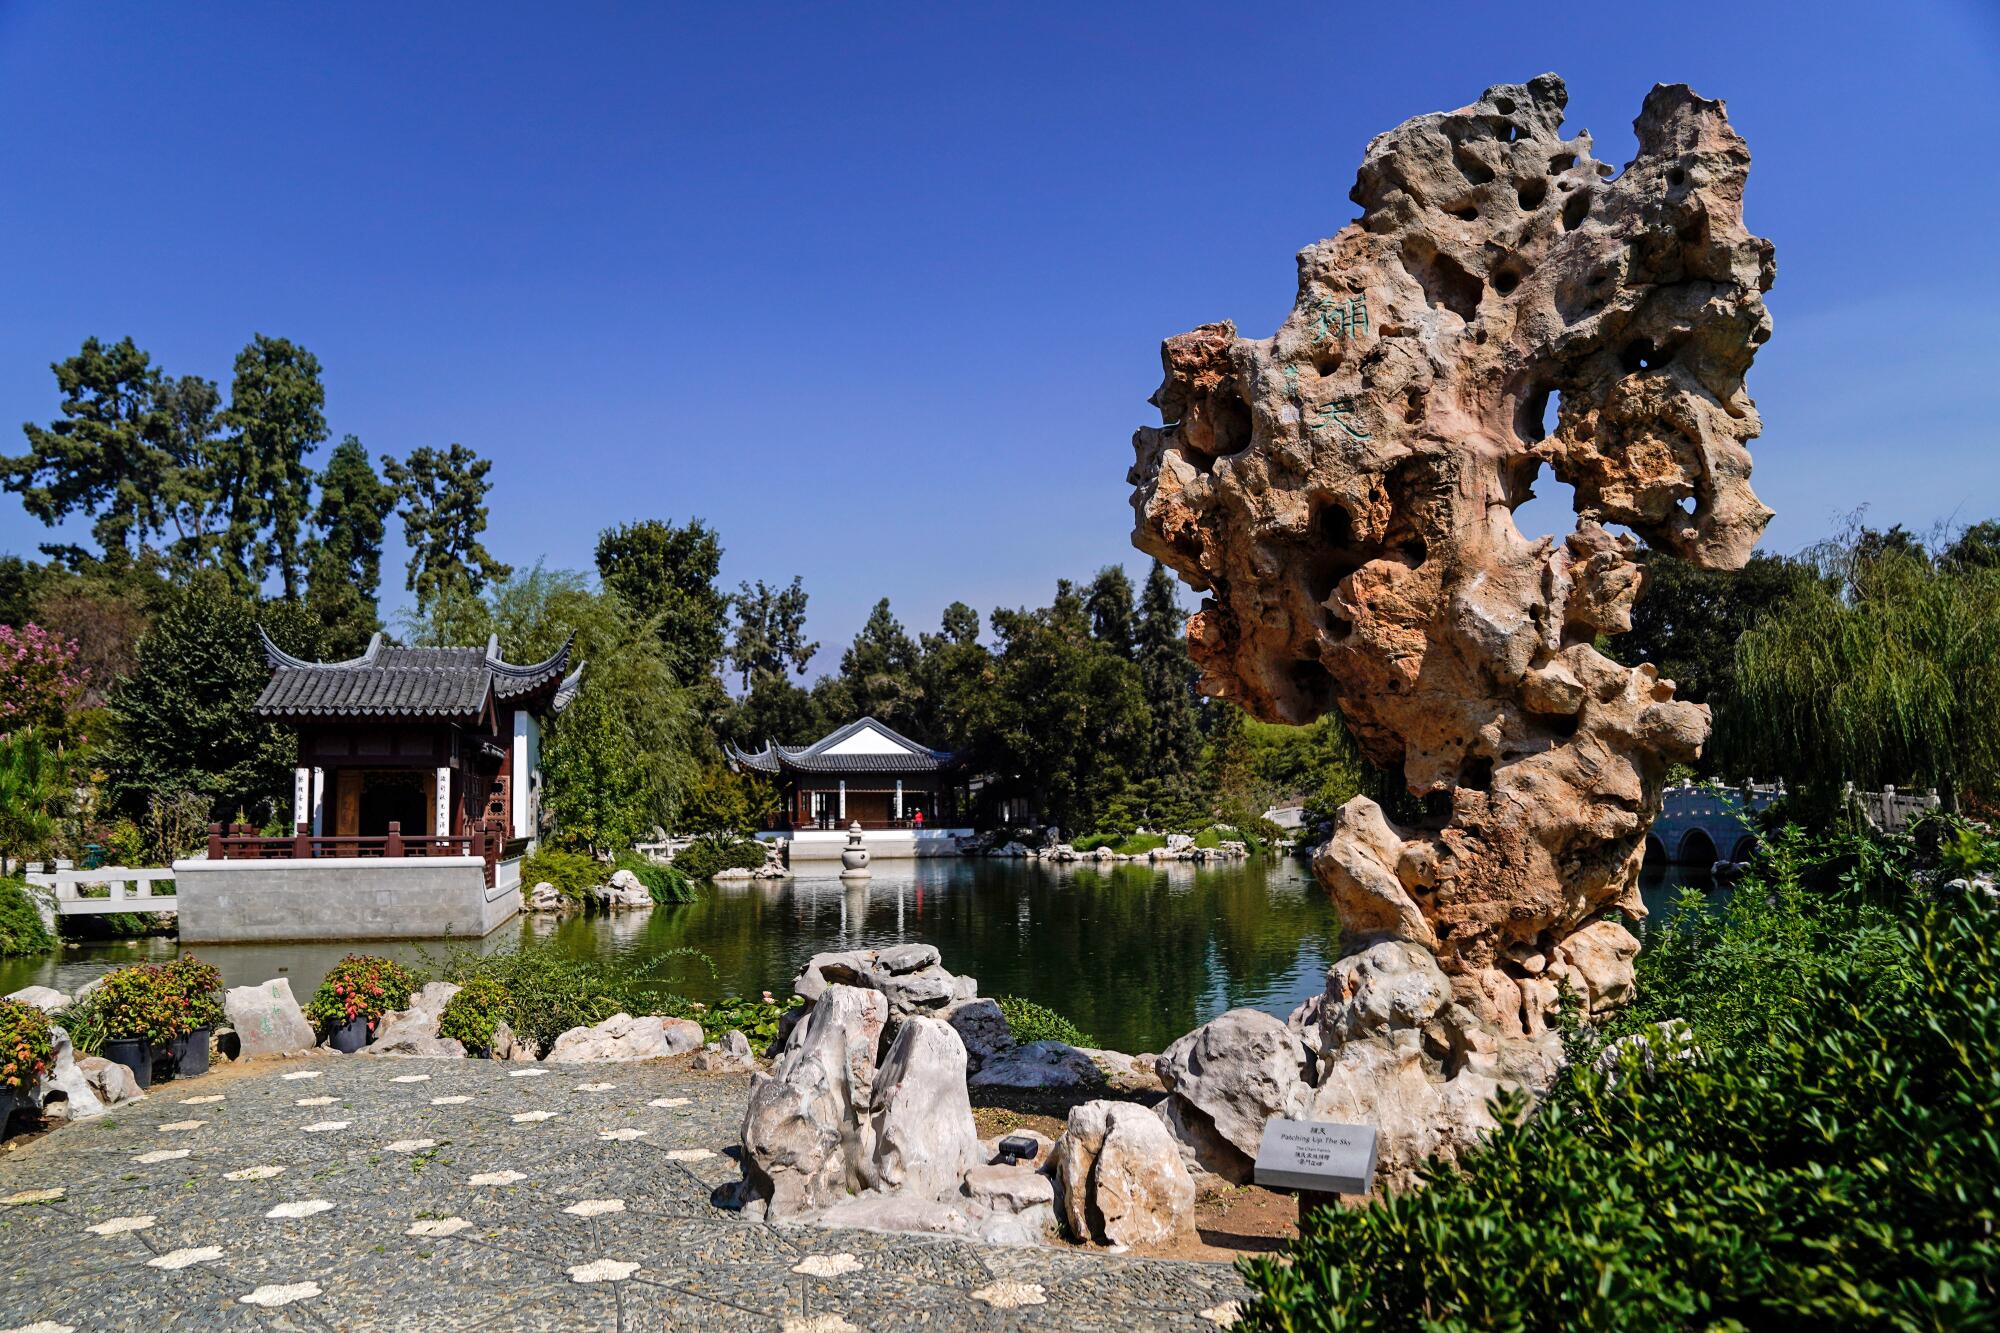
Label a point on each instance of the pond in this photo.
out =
(1134, 954)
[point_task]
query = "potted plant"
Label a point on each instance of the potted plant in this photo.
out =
(357, 991)
(196, 986)
(141, 1011)
(27, 1050)
(470, 1017)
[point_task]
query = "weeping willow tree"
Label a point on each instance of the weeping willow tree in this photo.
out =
(1884, 669)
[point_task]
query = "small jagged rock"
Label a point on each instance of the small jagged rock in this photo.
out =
(413, 1032)
(730, 1055)
(983, 1029)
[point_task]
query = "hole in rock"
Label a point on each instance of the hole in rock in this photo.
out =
(1640, 354)
(1413, 405)
(1575, 209)
(1676, 177)
(1412, 551)
(1505, 281)
(1312, 684)
(1435, 808)
(1564, 725)
(1334, 627)
(1333, 555)
(1561, 162)
(1540, 412)
(1504, 105)
(1690, 506)
(1476, 773)
(1466, 214)
(1470, 167)
(1512, 133)
(1551, 515)
(1444, 280)
(1606, 170)
(1532, 193)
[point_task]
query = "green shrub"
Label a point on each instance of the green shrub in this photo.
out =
(1028, 1021)
(360, 986)
(756, 1019)
(197, 989)
(1125, 844)
(27, 1045)
(140, 1002)
(665, 883)
(471, 1015)
(574, 874)
(21, 928)
(549, 992)
(1829, 1161)
(84, 1021)
(712, 853)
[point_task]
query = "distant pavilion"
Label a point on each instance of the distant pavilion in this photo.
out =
(866, 772)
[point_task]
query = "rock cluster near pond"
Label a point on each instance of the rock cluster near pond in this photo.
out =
(865, 1117)
(1343, 492)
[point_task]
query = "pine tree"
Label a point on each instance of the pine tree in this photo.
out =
(1109, 602)
(770, 636)
(880, 670)
(102, 456)
(1168, 676)
(344, 557)
(666, 574)
(442, 494)
(277, 417)
(183, 721)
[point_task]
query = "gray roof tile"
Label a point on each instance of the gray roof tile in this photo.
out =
(391, 681)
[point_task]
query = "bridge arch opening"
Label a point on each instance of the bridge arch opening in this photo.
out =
(1696, 849)
(1656, 852)
(1745, 848)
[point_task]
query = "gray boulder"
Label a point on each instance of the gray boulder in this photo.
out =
(1386, 988)
(983, 1029)
(267, 1020)
(623, 891)
(911, 977)
(112, 1082)
(1040, 1064)
(730, 1055)
(45, 998)
(805, 1137)
(413, 1032)
(920, 1120)
(1120, 1178)
(1235, 1072)
(622, 1037)
(546, 897)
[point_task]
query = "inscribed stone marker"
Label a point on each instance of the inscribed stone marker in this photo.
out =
(1317, 1157)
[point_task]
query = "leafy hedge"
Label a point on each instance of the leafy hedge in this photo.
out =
(713, 852)
(574, 874)
(21, 929)
(1125, 844)
(665, 883)
(1830, 1160)
(472, 1014)
(1028, 1021)
(549, 992)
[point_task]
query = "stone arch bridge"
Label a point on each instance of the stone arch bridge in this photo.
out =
(1702, 824)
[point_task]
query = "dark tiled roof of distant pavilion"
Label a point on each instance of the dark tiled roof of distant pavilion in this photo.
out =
(431, 683)
(815, 759)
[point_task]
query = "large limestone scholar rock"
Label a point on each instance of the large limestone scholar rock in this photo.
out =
(924, 1140)
(1120, 1178)
(806, 1131)
(66, 1091)
(1344, 493)
(623, 1037)
(910, 976)
(267, 1020)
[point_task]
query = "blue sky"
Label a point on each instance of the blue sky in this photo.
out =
(878, 291)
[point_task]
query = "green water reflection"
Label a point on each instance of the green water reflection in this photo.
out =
(1135, 954)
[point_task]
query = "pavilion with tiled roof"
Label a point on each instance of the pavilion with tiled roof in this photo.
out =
(866, 772)
(441, 742)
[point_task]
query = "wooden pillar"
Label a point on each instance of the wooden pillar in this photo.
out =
(394, 844)
(302, 842)
(215, 849)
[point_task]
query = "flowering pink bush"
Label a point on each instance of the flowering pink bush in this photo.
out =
(39, 679)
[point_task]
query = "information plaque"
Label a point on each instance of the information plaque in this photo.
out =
(1316, 1157)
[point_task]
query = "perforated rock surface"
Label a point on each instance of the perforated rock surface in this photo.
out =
(1343, 492)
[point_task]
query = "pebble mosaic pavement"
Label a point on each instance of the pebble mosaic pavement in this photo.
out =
(231, 1202)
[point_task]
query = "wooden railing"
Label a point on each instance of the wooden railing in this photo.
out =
(242, 842)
